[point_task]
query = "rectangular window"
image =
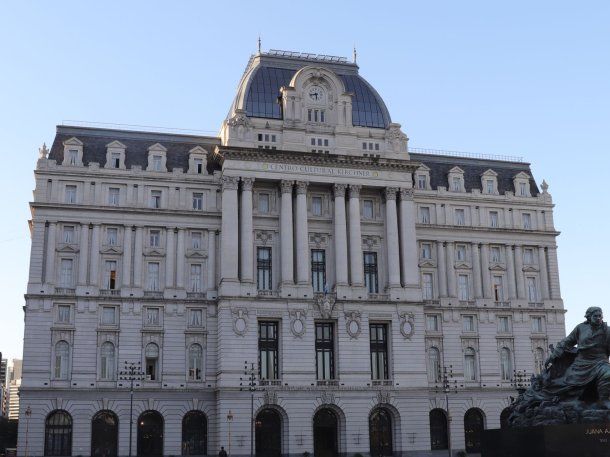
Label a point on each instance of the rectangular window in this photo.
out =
(495, 254)
(154, 239)
(66, 273)
(73, 156)
(112, 236)
(460, 217)
(113, 196)
(493, 219)
(537, 325)
(115, 159)
(421, 181)
(325, 351)
(504, 324)
(108, 315)
(153, 316)
(460, 252)
(198, 166)
(468, 324)
(532, 289)
(318, 270)
(110, 269)
(263, 268)
(498, 285)
(371, 280)
(196, 240)
(367, 209)
(456, 184)
(424, 214)
(195, 318)
(316, 206)
(527, 220)
(427, 286)
(68, 235)
(156, 163)
(379, 351)
(523, 189)
(489, 186)
(433, 322)
(263, 203)
(155, 199)
(463, 288)
(426, 251)
(153, 276)
(70, 196)
(268, 350)
(197, 201)
(528, 256)
(63, 314)
(195, 278)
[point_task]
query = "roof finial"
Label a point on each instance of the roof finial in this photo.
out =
(259, 43)
(355, 54)
(43, 152)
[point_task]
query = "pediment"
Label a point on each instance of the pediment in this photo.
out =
(154, 252)
(111, 250)
(67, 248)
(198, 150)
(497, 267)
(490, 172)
(73, 142)
(456, 170)
(530, 268)
(427, 263)
(197, 255)
(522, 175)
(157, 147)
(423, 167)
(462, 265)
(116, 145)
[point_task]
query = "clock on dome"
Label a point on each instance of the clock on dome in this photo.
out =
(316, 94)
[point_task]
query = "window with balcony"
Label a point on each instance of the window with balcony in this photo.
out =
(268, 350)
(70, 194)
(460, 216)
(155, 199)
(426, 251)
(154, 238)
(503, 324)
(316, 206)
(195, 358)
(433, 322)
(371, 279)
(325, 351)
(263, 268)
(112, 236)
(493, 219)
(318, 270)
(463, 288)
(66, 273)
(263, 203)
(424, 214)
(114, 196)
(498, 288)
(427, 286)
(68, 234)
(195, 278)
(379, 351)
(197, 201)
(110, 274)
(196, 240)
(527, 220)
(468, 324)
(368, 209)
(152, 283)
(532, 289)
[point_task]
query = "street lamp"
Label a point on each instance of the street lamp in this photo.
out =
(131, 372)
(229, 420)
(28, 413)
(447, 385)
(250, 371)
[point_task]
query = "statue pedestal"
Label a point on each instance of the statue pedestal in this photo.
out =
(573, 440)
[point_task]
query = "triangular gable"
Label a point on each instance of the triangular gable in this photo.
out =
(423, 167)
(497, 267)
(198, 150)
(197, 254)
(116, 145)
(68, 248)
(456, 169)
(427, 263)
(112, 250)
(73, 142)
(157, 147)
(490, 172)
(523, 175)
(529, 268)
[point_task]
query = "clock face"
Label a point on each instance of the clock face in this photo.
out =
(316, 93)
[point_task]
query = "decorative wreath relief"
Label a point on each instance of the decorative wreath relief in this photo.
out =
(407, 324)
(297, 322)
(240, 323)
(352, 323)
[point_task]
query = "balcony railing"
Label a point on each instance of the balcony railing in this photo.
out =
(65, 291)
(267, 293)
(110, 292)
(270, 382)
(327, 382)
(535, 304)
(153, 294)
(195, 295)
(382, 382)
(503, 304)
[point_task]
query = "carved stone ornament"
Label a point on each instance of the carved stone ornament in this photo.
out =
(354, 191)
(319, 239)
(270, 397)
(544, 186)
(407, 324)
(43, 152)
(352, 323)
(325, 303)
(264, 236)
(240, 321)
(229, 182)
(339, 190)
(302, 187)
(327, 398)
(383, 397)
(297, 322)
(396, 138)
(286, 186)
(247, 183)
(406, 194)
(240, 119)
(390, 193)
(370, 241)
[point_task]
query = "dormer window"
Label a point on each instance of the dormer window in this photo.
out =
(456, 180)
(316, 115)
(489, 182)
(156, 161)
(422, 178)
(73, 152)
(421, 182)
(115, 155)
(521, 181)
(198, 161)
(157, 158)
(523, 189)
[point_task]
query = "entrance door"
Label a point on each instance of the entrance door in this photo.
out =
(104, 434)
(268, 434)
(150, 434)
(474, 424)
(325, 434)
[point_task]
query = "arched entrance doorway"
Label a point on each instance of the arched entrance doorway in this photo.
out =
(150, 434)
(325, 433)
(504, 415)
(380, 433)
(268, 428)
(58, 434)
(474, 424)
(104, 434)
(194, 433)
(438, 430)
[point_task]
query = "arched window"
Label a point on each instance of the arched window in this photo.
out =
(195, 357)
(380, 433)
(434, 364)
(194, 433)
(325, 433)
(470, 365)
(104, 434)
(268, 427)
(58, 434)
(62, 359)
(438, 430)
(504, 415)
(150, 434)
(151, 353)
(506, 364)
(107, 361)
(539, 360)
(474, 424)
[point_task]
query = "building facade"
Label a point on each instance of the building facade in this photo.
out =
(356, 276)
(13, 382)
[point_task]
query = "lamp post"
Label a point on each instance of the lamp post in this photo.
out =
(131, 372)
(521, 381)
(447, 385)
(28, 413)
(250, 371)
(229, 420)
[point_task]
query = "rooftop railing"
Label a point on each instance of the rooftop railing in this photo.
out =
(469, 155)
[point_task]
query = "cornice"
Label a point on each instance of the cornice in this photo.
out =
(464, 228)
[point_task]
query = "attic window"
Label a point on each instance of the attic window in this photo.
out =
(370, 146)
(198, 166)
(73, 156)
(116, 160)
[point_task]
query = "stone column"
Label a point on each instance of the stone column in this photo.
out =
(476, 271)
(485, 271)
(355, 237)
(510, 269)
(442, 269)
(137, 257)
(246, 241)
(519, 272)
(451, 285)
(302, 241)
(127, 256)
(553, 273)
(94, 278)
(180, 259)
(286, 233)
(83, 261)
(340, 236)
(408, 240)
(49, 276)
(229, 230)
(170, 258)
(544, 274)
(392, 244)
(212, 259)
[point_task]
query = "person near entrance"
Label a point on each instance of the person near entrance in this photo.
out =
(222, 452)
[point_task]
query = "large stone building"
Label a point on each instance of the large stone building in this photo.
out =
(307, 239)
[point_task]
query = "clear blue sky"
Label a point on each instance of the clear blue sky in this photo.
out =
(518, 78)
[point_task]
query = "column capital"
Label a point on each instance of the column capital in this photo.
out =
(339, 190)
(390, 193)
(406, 194)
(229, 182)
(247, 183)
(302, 187)
(286, 186)
(354, 190)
